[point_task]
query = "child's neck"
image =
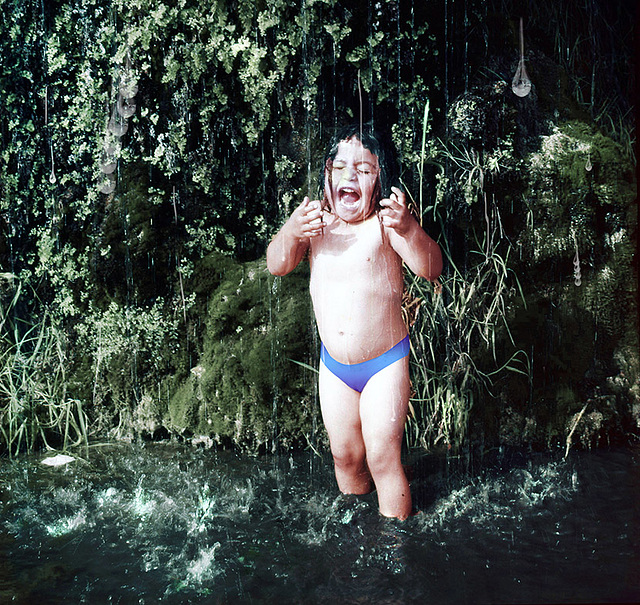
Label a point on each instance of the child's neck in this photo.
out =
(357, 222)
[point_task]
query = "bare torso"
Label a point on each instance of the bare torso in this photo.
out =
(356, 288)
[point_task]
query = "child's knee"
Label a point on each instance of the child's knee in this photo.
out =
(382, 460)
(349, 458)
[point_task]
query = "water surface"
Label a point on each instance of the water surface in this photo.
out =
(173, 524)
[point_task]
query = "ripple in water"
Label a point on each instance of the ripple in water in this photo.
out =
(165, 523)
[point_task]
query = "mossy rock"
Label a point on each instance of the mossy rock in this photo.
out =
(245, 388)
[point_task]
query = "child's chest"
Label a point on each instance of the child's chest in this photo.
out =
(345, 251)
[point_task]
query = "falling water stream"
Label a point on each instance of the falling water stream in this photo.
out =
(169, 523)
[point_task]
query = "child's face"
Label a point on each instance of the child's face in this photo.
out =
(350, 181)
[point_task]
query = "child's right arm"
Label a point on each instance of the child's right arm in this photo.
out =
(291, 243)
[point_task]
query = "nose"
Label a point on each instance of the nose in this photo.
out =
(350, 173)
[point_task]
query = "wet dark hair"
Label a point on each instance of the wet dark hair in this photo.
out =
(377, 144)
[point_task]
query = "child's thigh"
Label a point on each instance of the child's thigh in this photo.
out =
(340, 406)
(384, 403)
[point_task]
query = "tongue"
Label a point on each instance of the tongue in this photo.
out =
(349, 197)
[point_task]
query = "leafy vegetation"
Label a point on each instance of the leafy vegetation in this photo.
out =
(142, 294)
(35, 407)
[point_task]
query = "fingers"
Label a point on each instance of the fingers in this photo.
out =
(394, 206)
(394, 213)
(303, 205)
(310, 221)
(399, 195)
(396, 200)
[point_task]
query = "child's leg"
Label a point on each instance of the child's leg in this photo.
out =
(340, 407)
(383, 411)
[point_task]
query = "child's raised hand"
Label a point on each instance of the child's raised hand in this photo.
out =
(395, 214)
(291, 243)
(306, 220)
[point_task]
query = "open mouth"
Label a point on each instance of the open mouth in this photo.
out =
(349, 197)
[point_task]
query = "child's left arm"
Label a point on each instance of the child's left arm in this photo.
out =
(419, 251)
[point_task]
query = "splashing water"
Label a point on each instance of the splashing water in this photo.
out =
(128, 86)
(111, 147)
(165, 523)
(108, 164)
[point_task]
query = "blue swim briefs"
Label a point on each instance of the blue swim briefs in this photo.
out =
(357, 375)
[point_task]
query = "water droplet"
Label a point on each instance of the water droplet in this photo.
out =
(52, 175)
(108, 184)
(521, 85)
(126, 106)
(111, 145)
(117, 124)
(588, 166)
(108, 167)
(128, 85)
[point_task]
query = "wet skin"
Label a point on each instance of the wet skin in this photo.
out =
(356, 250)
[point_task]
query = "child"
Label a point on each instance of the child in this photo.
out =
(357, 241)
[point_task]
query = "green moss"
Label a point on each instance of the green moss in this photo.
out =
(577, 180)
(244, 377)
